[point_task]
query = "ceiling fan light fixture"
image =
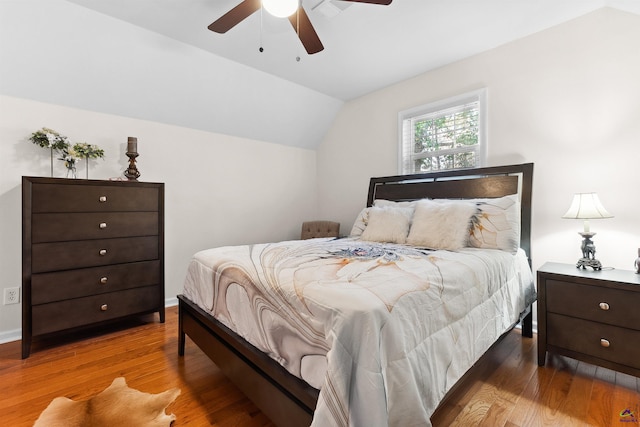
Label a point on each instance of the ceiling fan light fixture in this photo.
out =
(280, 8)
(291, 9)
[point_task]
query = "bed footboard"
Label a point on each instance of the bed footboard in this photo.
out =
(285, 399)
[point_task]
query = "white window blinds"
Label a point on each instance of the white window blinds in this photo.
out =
(443, 135)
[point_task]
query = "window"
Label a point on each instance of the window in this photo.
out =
(448, 134)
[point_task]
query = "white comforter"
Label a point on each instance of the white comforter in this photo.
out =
(382, 330)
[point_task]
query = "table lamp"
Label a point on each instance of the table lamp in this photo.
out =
(587, 206)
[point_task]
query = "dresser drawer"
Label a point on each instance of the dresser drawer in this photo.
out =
(62, 227)
(49, 287)
(585, 337)
(606, 305)
(61, 315)
(92, 253)
(92, 198)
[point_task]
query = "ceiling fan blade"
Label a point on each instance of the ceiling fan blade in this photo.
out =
(307, 34)
(235, 16)
(382, 2)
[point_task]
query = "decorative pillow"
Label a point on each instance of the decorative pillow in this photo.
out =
(382, 203)
(361, 223)
(387, 225)
(496, 224)
(441, 225)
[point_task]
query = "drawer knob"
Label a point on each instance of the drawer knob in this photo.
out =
(604, 343)
(103, 225)
(103, 252)
(103, 307)
(103, 280)
(102, 199)
(604, 306)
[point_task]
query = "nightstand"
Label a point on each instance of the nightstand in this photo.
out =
(593, 316)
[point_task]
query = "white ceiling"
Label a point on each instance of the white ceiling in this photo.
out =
(367, 47)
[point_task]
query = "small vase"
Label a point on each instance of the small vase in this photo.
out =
(637, 263)
(71, 171)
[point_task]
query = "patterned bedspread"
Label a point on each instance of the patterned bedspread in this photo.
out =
(382, 330)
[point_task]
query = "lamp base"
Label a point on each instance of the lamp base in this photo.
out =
(588, 253)
(589, 262)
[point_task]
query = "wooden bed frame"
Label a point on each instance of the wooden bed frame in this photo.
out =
(284, 398)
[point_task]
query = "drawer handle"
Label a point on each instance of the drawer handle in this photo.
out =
(103, 280)
(103, 225)
(604, 343)
(103, 252)
(604, 306)
(102, 199)
(103, 307)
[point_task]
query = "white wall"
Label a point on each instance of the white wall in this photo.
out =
(219, 190)
(567, 99)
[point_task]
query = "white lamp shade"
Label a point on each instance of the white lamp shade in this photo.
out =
(586, 206)
(280, 8)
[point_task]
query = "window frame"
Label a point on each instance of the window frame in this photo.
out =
(479, 96)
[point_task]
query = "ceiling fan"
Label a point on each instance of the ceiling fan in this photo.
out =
(296, 15)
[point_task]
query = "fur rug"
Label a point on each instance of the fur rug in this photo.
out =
(117, 405)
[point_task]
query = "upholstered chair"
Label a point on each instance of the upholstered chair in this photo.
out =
(313, 229)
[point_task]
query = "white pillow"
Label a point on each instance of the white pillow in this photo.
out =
(360, 223)
(388, 224)
(382, 203)
(441, 225)
(496, 224)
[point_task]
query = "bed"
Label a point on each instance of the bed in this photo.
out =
(375, 328)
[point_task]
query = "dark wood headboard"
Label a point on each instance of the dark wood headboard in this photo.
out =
(488, 182)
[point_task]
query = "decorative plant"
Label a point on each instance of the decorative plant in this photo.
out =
(49, 138)
(69, 156)
(87, 151)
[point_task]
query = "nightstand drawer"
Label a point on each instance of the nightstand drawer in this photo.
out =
(93, 198)
(60, 285)
(92, 253)
(598, 304)
(606, 342)
(64, 227)
(61, 315)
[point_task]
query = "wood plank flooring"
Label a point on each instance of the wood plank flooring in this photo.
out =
(506, 387)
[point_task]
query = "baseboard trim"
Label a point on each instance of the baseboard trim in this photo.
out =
(9, 336)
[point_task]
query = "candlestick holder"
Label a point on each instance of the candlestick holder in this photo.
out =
(132, 172)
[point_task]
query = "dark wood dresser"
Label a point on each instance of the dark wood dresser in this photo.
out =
(593, 316)
(92, 252)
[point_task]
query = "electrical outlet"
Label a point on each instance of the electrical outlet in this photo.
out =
(11, 296)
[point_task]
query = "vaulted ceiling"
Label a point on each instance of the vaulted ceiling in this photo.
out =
(367, 47)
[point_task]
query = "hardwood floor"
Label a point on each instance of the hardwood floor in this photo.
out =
(506, 387)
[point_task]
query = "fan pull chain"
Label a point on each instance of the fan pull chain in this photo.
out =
(261, 49)
(298, 29)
